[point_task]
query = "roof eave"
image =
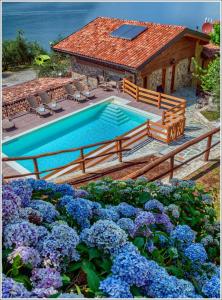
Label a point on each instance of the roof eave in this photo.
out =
(96, 60)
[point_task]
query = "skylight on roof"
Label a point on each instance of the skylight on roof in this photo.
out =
(128, 31)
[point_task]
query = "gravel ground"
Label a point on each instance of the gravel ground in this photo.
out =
(13, 78)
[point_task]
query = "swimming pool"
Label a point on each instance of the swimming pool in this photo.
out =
(98, 122)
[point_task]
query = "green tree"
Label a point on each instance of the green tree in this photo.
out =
(215, 35)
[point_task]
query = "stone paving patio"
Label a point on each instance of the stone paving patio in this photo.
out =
(194, 127)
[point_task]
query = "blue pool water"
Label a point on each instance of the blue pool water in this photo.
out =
(98, 123)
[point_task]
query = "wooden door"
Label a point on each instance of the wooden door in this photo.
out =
(145, 82)
(172, 78)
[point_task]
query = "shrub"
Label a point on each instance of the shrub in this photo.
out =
(155, 241)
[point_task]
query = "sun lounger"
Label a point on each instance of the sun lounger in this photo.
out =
(85, 92)
(74, 95)
(38, 109)
(7, 124)
(49, 103)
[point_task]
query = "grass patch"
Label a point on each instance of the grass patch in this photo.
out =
(211, 115)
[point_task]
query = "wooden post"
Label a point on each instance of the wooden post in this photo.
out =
(163, 118)
(137, 93)
(209, 140)
(36, 168)
(83, 162)
(119, 148)
(148, 128)
(171, 166)
(159, 100)
(124, 85)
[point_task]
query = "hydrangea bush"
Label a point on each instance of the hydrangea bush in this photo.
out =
(119, 239)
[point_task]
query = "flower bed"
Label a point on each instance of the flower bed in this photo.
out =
(119, 239)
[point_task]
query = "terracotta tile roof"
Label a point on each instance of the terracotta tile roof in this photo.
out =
(210, 50)
(94, 41)
(32, 87)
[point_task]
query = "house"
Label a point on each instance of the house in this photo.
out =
(154, 56)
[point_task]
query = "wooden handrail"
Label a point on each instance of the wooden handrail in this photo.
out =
(64, 151)
(172, 154)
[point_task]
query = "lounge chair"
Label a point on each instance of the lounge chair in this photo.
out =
(87, 93)
(7, 124)
(38, 109)
(74, 95)
(47, 101)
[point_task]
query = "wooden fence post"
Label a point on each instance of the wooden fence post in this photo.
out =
(36, 168)
(137, 93)
(119, 148)
(209, 140)
(124, 85)
(163, 118)
(83, 162)
(148, 128)
(171, 167)
(159, 100)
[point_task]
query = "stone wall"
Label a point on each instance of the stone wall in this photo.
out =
(183, 77)
(88, 71)
(20, 105)
(155, 79)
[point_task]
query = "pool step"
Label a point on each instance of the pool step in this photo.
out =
(114, 116)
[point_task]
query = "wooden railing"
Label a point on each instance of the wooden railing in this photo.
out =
(171, 157)
(81, 161)
(175, 107)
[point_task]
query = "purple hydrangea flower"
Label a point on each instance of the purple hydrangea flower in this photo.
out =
(22, 189)
(79, 193)
(71, 295)
(196, 253)
(20, 234)
(182, 235)
(126, 224)
(28, 255)
(11, 204)
(47, 210)
(173, 209)
(12, 289)
(31, 215)
(126, 210)
(154, 204)
(114, 287)
(58, 245)
(105, 235)
(163, 219)
(128, 247)
(150, 246)
(144, 218)
(46, 278)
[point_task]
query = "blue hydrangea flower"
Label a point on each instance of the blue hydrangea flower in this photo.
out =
(64, 201)
(12, 289)
(166, 190)
(183, 183)
(64, 189)
(196, 253)
(211, 288)
(105, 235)
(43, 292)
(81, 210)
(20, 234)
(47, 210)
(144, 218)
(154, 204)
(150, 246)
(22, 189)
(46, 278)
(170, 287)
(28, 255)
(126, 210)
(207, 199)
(126, 224)
(141, 180)
(71, 295)
(58, 245)
(114, 287)
(11, 204)
(182, 235)
(163, 219)
(107, 214)
(173, 209)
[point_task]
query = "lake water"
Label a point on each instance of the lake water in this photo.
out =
(44, 22)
